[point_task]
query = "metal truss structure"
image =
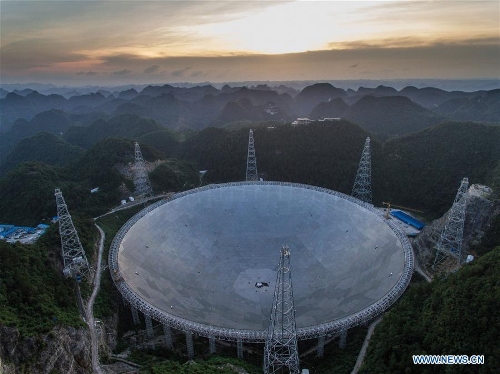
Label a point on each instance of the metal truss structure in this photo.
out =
(450, 241)
(251, 160)
(230, 334)
(141, 179)
(281, 350)
(74, 258)
(362, 188)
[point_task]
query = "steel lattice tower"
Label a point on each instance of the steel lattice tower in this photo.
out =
(74, 259)
(362, 188)
(141, 180)
(281, 352)
(450, 241)
(251, 160)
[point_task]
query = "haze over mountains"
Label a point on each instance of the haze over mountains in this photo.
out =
(383, 111)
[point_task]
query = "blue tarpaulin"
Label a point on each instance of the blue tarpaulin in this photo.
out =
(402, 216)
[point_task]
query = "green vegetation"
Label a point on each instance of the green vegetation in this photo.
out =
(424, 170)
(165, 141)
(28, 190)
(34, 297)
(124, 126)
(174, 175)
(161, 361)
(27, 194)
(391, 115)
(105, 302)
(457, 315)
(323, 154)
(43, 147)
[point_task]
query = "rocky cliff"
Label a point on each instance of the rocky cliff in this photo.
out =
(63, 350)
(479, 215)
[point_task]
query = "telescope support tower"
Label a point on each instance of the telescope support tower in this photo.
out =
(251, 160)
(141, 180)
(74, 258)
(281, 352)
(450, 242)
(362, 188)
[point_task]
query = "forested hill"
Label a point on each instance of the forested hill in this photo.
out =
(422, 170)
(43, 147)
(322, 154)
(457, 315)
(28, 190)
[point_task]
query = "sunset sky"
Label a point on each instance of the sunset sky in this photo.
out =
(119, 42)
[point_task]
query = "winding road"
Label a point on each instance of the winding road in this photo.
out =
(90, 313)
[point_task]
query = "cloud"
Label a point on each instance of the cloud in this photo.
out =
(36, 52)
(122, 72)
(88, 73)
(198, 73)
(180, 72)
(151, 69)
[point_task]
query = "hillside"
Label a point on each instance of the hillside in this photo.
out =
(43, 147)
(424, 170)
(123, 126)
(456, 315)
(329, 109)
(28, 194)
(244, 110)
(484, 108)
(52, 121)
(421, 170)
(391, 115)
(284, 153)
(28, 190)
(164, 141)
(34, 295)
(310, 96)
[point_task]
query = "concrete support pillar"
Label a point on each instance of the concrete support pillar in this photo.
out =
(239, 347)
(135, 315)
(321, 346)
(211, 344)
(167, 332)
(189, 344)
(149, 327)
(343, 339)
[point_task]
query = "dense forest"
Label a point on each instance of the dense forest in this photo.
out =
(325, 154)
(456, 315)
(28, 190)
(33, 294)
(421, 170)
